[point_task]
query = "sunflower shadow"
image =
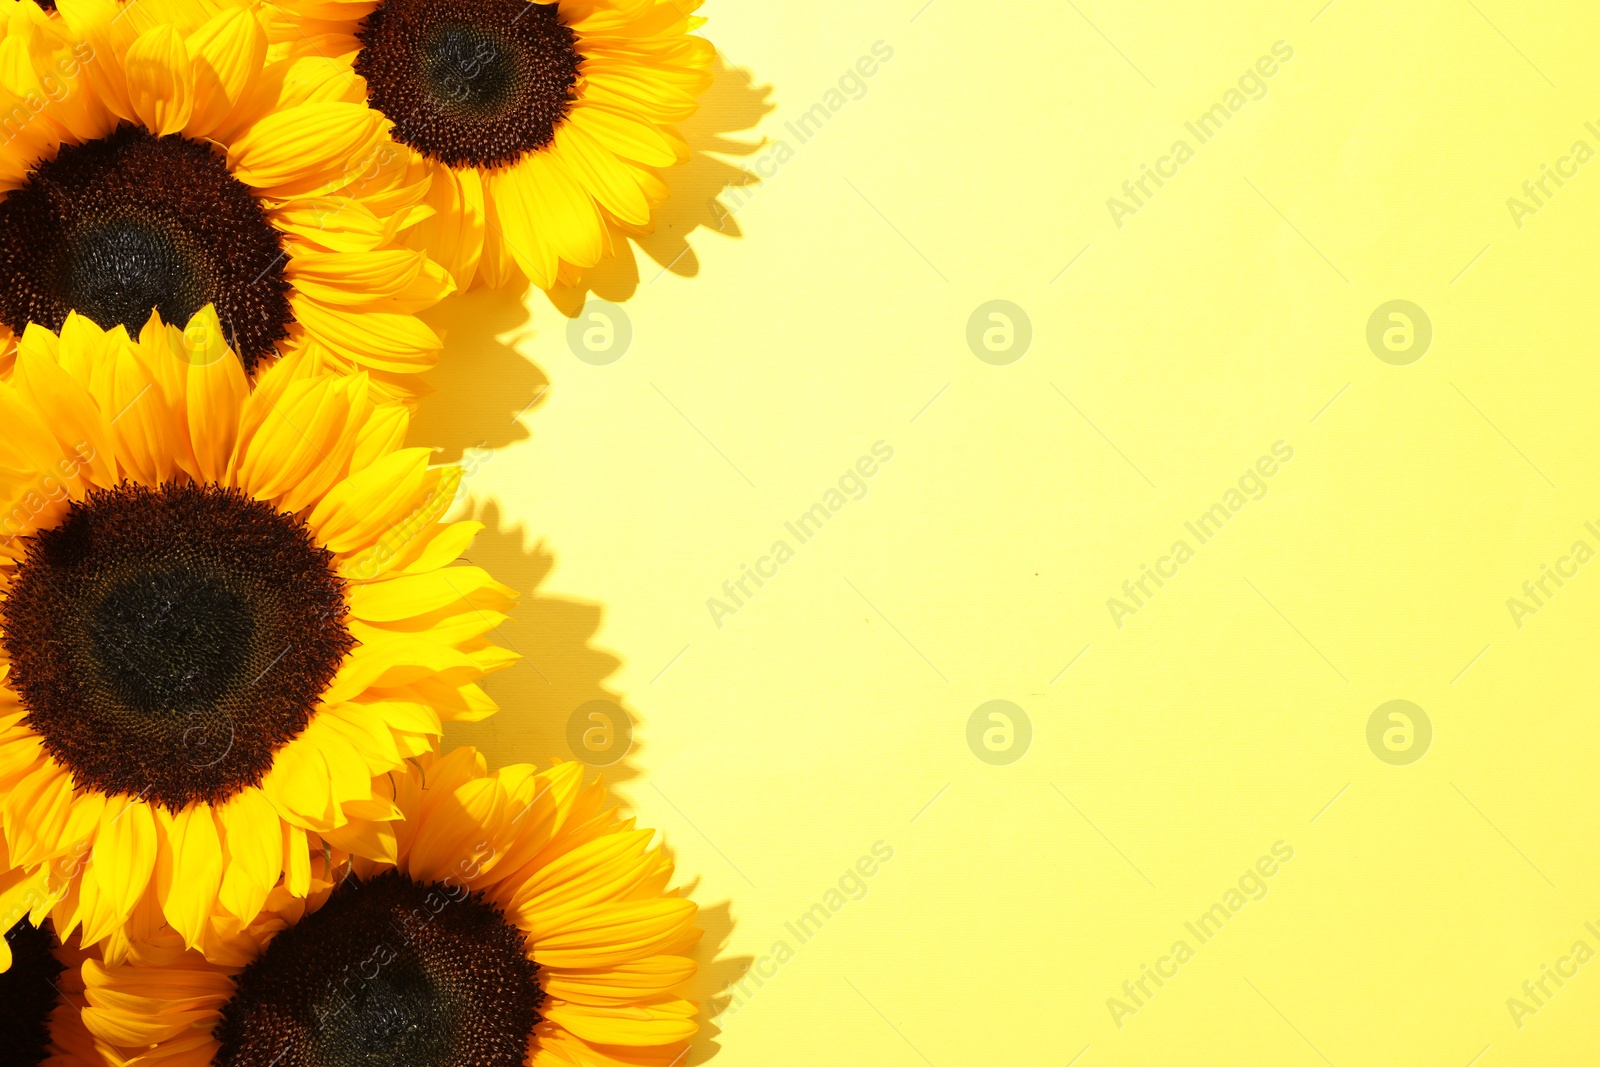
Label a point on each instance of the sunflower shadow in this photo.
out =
(733, 104)
(560, 675)
(561, 678)
(482, 386)
(717, 971)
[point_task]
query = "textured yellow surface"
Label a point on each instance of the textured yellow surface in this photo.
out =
(1206, 741)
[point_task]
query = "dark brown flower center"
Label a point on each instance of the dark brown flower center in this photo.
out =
(389, 973)
(28, 994)
(469, 84)
(129, 223)
(167, 642)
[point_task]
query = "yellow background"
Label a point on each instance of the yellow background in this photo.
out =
(781, 329)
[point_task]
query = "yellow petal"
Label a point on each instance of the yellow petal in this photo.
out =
(453, 833)
(496, 266)
(607, 868)
(216, 389)
(140, 420)
(439, 545)
(620, 983)
(18, 900)
(303, 147)
(464, 589)
(82, 826)
(380, 340)
(348, 776)
(36, 813)
(411, 716)
(453, 235)
(609, 181)
(190, 870)
(299, 786)
(379, 547)
(335, 223)
(109, 36)
(124, 856)
(661, 1023)
(625, 86)
(65, 405)
(384, 495)
(626, 136)
(368, 735)
(297, 860)
(520, 230)
(372, 840)
(567, 210)
(160, 80)
(255, 852)
(227, 53)
(400, 661)
(611, 933)
(294, 440)
(384, 433)
(351, 279)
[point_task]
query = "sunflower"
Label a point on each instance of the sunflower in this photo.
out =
(519, 921)
(225, 613)
(41, 1000)
(153, 156)
(545, 123)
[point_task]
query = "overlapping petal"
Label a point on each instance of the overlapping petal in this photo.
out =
(583, 886)
(293, 126)
(93, 409)
(561, 209)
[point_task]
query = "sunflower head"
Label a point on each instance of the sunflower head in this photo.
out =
(224, 613)
(41, 1001)
(475, 85)
(28, 991)
(143, 625)
(546, 123)
(520, 921)
(458, 988)
(155, 157)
